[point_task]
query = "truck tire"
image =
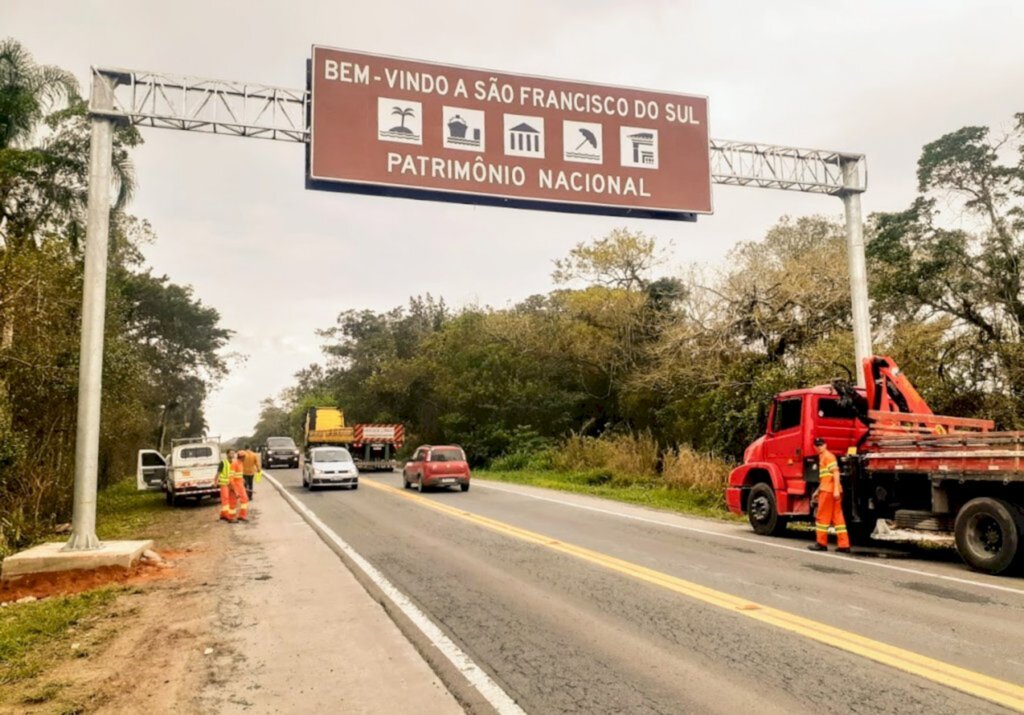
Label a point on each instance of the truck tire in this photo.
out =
(763, 511)
(170, 498)
(988, 534)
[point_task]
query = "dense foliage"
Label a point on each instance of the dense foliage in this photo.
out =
(161, 344)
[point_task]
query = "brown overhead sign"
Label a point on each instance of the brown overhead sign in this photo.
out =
(392, 126)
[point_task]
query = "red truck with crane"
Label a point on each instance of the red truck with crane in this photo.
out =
(906, 472)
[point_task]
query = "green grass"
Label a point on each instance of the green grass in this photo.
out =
(122, 512)
(26, 629)
(596, 483)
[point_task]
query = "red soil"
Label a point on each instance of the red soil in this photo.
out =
(63, 583)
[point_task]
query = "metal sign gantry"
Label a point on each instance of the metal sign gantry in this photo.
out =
(244, 109)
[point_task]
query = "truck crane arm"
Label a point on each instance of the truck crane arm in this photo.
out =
(889, 390)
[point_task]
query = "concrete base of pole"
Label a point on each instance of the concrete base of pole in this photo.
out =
(50, 557)
(83, 542)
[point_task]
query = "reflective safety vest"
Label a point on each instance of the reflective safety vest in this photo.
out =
(227, 472)
(828, 472)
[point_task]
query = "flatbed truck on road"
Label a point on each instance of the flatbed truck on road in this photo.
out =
(373, 446)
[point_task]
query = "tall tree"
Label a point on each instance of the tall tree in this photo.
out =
(622, 259)
(956, 254)
(44, 165)
(28, 90)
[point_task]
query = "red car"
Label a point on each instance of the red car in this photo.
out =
(437, 466)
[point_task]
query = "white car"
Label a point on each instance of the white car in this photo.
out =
(329, 467)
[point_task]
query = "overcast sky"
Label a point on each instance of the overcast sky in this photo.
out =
(877, 77)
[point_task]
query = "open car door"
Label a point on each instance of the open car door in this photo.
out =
(151, 471)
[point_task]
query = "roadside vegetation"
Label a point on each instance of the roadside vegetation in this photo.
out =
(626, 467)
(29, 631)
(162, 345)
(123, 512)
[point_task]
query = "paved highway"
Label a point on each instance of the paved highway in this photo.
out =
(579, 605)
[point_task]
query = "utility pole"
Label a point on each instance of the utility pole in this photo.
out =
(858, 266)
(94, 303)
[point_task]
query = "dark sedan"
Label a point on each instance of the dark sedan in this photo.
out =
(280, 451)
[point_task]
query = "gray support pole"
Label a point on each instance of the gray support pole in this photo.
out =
(94, 304)
(858, 267)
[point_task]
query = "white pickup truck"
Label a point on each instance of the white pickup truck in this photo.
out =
(190, 471)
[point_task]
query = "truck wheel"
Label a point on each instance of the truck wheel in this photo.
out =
(169, 498)
(763, 512)
(988, 534)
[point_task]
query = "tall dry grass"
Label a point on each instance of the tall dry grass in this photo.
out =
(627, 457)
(683, 468)
(632, 458)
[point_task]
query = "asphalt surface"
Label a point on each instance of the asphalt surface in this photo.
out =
(561, 634)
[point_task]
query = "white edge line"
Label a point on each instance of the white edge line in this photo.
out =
(491, 691)
(709, 532)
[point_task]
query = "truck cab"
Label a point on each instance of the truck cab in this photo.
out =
(780, 468)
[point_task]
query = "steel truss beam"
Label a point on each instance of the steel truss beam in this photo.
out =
(782, 167)
(253, 110)
(242, 109)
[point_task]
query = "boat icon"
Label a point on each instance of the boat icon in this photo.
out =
(457, 127)
(461, 134)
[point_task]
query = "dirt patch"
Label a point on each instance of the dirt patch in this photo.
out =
(66, 583)
(145, 653)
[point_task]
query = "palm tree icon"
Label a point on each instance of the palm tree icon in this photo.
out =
(403, 113)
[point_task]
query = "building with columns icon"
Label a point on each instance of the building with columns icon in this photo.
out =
(524, 136)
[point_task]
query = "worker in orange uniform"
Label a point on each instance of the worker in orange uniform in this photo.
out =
(251, 469)
(830, 501)
(234, 502)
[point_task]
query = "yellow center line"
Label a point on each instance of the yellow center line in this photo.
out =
(967, 681)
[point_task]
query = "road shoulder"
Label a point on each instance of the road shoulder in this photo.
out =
(294, 631)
